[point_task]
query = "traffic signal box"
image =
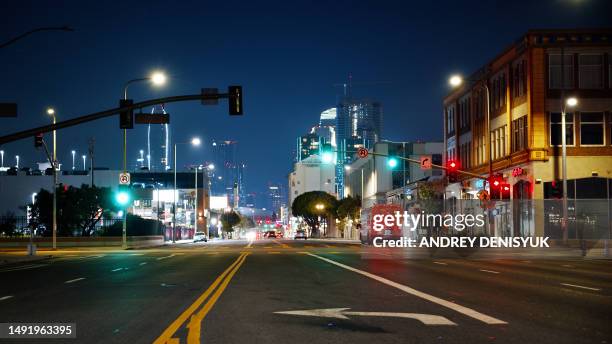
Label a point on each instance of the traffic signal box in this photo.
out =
(451, 171)
(126, 118)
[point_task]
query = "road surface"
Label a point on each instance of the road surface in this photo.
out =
(283, 291)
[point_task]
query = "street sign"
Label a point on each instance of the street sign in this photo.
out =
(124, 178)
(8, 109)
(212, 96)
(362, 152)
(425, 162)
(152, 118)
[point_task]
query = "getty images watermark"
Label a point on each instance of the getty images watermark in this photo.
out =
(459, 222)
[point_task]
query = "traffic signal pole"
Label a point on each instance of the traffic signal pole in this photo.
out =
(108, 113)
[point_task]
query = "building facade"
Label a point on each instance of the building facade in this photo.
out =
(311, 174)
(519, 137)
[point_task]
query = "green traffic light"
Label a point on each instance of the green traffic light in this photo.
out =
(327, 157)
(392, 162)
(122, 198)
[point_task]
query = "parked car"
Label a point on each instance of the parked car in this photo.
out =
(200, 236)
(300, 235)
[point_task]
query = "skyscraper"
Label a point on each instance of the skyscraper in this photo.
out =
(358, 124)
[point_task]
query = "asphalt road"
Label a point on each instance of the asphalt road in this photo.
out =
(283, 291)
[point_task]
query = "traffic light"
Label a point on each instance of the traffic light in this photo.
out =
(235, 100)
(496, 182)
(122, 197)
(392, 162)
(556, 189)
(504, 190)
(126, 118)
(38, 140)
(451, 171)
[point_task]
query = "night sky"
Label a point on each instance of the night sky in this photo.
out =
(286, 54)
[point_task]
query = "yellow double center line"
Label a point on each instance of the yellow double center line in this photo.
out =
(197, 316)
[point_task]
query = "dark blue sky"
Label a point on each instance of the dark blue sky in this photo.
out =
(286, 54)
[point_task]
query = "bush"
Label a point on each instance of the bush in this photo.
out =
(136, 226)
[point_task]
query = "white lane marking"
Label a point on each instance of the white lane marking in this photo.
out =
(143, 263)
(74, 280)
(440, 263)
(117, 269)
(580, 286)
(341, 313)
(6, 297)
(458, 308)
(170, 256)
(489, 271)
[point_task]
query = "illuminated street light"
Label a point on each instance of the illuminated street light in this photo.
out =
(50, 111)
(347, 167)
(2, 158)
(84, 157)
(455, 80)
(158, 78)
(17, 161)
(572, 101)
(211, 166)
(320, 206)
(73, 155)
(196, 141)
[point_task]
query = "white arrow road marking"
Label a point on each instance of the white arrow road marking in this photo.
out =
(458, 308)
(341, 313)
(5, 297)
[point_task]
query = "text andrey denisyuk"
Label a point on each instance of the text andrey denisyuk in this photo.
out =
(458, 221)
(463, 242)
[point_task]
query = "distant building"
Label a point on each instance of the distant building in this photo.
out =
(358, 123)
(371, 178)
(311, 174)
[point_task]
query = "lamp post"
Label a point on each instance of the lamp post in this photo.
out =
(84, 159)
(456, 81)
(158, 79)
(73, 156)
(2, 158)
(17, 161)
(51, 112)
(194, 142)
(571, 102)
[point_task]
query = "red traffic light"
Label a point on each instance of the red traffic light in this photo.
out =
(452, 165)
(505, 187)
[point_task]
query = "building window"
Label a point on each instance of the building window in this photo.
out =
(498, 142)
(519, 79)
(590, 71)
(555, 129)
(450, 119)
(592, 128)
(555, 76)
(519, 134)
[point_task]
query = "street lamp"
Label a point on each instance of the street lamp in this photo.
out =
(455, 81)
(2, 155)
(84, 157)
(157, 78)
(17, 161)
(194, 142)
(73, 155)
(571, 102)
(51, 112)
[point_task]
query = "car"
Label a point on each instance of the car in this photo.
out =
(200, 236)
(300, 235)
(270, 234)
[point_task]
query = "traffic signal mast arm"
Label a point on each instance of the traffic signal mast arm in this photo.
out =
(107, 113)
(432, 165)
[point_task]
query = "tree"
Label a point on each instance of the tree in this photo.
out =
(8, 222)
(349, 207)
(79, 209)
(312, 206)
(229, 220)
